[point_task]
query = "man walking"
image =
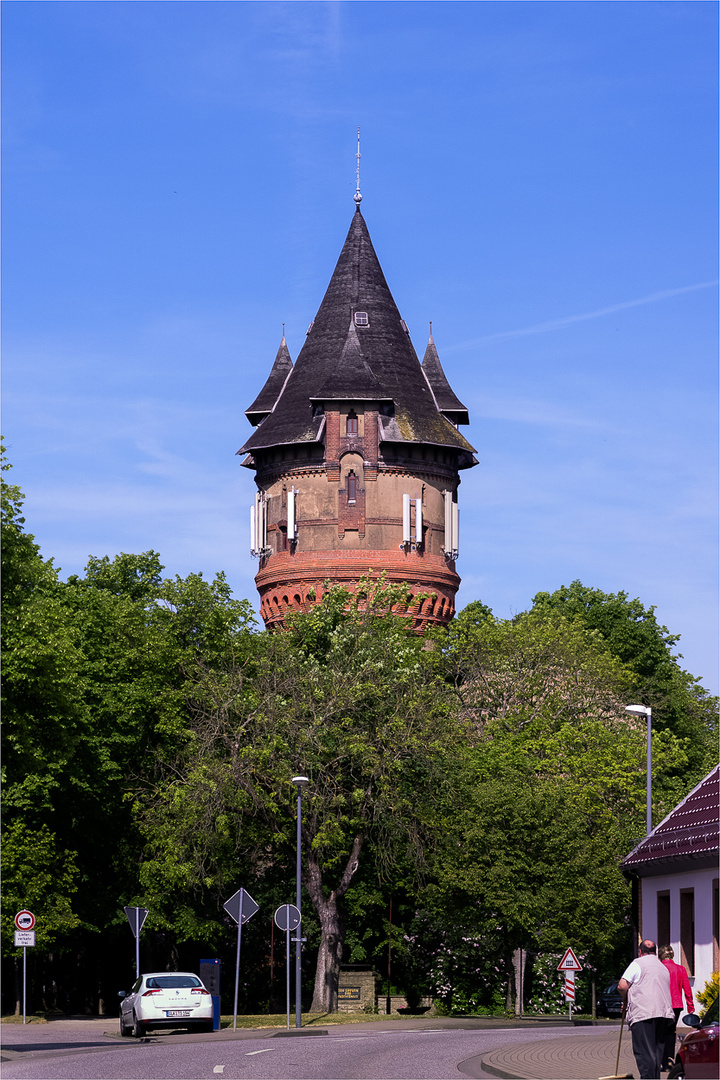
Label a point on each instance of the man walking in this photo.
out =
(645, 989)
(679, 985)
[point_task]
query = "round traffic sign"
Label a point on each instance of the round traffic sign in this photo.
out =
(24, 920)
(287, 917)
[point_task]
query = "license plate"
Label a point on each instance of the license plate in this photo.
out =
(177, 1012)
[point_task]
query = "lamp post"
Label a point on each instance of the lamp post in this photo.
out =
(300, 782)
(644, 710)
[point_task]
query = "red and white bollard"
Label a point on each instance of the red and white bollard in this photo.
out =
(570, 991)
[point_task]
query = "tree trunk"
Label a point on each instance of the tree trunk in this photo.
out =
(518, 964)
(332, 925)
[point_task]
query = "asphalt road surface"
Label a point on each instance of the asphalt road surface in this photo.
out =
(85, 1052)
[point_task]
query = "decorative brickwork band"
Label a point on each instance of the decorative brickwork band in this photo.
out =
(296, 582)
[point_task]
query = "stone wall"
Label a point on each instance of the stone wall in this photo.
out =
(397, 1002)
(357, 988)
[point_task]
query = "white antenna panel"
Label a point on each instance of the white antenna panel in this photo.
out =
(406, 519)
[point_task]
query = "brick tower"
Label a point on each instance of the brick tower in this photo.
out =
(356, 453)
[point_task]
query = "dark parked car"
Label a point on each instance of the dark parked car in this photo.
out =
(610, 1002)
(697, 1054)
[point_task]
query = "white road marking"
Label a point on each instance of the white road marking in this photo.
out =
(218, 1068)
(266, 1051)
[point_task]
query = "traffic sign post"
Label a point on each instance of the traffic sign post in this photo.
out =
(136, 916)
(569, 965)
(287, 918)
(239, 907)
(25, 937)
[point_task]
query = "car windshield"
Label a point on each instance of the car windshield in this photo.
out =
(612, 988)
(171, 982)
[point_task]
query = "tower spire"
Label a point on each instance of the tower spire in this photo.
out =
(357, 196)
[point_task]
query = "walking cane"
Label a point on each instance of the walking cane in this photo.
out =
(622, 1076)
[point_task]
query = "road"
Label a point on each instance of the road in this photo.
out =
(80, 1050)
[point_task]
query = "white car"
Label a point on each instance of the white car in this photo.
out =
(166, 999)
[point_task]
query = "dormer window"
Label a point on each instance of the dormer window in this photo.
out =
(351, 487)
(361, 318)
(351, 427)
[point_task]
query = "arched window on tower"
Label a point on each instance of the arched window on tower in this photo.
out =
(351, 427)
(351, 487)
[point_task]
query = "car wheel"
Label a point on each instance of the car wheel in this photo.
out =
(124, 1029)
(138, 1027)
(677, 1071)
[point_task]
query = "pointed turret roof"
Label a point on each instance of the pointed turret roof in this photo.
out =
(264, 403)
(376, 356)
(447, 402)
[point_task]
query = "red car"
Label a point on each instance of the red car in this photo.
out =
(697, 1054)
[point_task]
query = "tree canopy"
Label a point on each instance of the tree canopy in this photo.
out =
(485, 778)
(343, 696)
(680, 704)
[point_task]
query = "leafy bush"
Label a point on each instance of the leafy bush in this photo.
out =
(710, 991)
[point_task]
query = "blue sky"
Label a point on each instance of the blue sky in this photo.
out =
(539, 180)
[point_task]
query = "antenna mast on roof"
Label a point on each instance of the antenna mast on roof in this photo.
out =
(357, 196)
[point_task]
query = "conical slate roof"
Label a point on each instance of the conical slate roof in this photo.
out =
(264, 403)
(447, 402)
(374, 360)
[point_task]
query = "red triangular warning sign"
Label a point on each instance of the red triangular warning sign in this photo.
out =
(569, 962)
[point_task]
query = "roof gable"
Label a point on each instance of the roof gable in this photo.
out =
(688, 835)
(351, 377)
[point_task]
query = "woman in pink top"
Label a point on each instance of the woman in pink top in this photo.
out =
(679, 985)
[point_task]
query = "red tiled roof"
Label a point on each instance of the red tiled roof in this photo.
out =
(689, 833)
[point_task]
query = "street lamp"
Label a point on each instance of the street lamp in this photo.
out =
(644, 710)
(300, 782)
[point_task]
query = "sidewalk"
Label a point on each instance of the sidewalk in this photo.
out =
(578, 1056)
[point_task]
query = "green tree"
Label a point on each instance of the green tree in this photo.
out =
(552, 785)
(680, 704)
(93, 694)
(347, 695)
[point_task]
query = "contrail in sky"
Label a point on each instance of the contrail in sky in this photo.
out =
(568, 320)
